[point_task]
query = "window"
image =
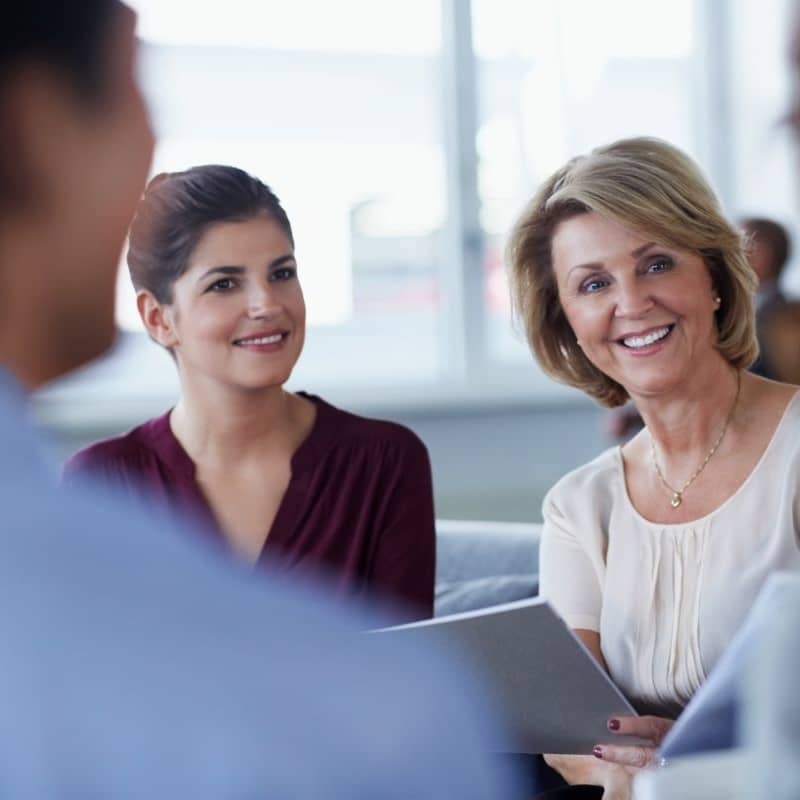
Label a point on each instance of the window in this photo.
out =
(403, 139)
(555, 79)
(341, 120)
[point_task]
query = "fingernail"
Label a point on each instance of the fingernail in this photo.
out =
(613, 724)
(597, 751)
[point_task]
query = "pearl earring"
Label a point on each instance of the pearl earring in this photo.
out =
(717, 301)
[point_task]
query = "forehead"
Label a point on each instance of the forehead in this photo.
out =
(254, 241)
(590, 237)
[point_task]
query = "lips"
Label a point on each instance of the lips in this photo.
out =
(637, 341)
(271, 337)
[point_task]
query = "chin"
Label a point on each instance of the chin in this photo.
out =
(254, 384)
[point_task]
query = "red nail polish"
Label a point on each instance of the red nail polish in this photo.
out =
(597, 751)
(613, 724)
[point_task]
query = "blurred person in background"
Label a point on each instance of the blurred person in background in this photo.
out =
(768, 251)
(633, 285)
(273, 475)
(136, 664)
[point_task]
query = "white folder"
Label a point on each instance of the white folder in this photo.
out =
(557, 698)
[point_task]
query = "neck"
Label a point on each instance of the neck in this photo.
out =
(221, 426)
(685, 425)
(46, 329)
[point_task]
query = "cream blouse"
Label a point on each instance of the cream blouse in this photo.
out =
(666, 599)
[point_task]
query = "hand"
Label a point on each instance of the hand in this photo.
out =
(587, 770)
(634, 757)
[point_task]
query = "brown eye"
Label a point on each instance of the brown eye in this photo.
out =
(222, 285)
(283, 274)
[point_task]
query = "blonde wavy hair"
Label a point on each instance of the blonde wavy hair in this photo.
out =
(651, 188)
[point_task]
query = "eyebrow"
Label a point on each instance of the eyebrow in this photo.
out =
(596, 264)
(235, 270)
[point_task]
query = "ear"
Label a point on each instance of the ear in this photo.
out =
(158, 319)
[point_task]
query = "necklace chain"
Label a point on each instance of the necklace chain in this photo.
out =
(677, 494)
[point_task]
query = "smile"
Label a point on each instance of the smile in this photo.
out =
(638, 342)
(264, 339)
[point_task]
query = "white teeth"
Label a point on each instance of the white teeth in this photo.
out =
(650, 338)
(262, 340)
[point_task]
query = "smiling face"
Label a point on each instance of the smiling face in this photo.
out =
(238, 314)
(642, 312)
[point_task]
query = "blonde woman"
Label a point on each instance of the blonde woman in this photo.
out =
(632, 284)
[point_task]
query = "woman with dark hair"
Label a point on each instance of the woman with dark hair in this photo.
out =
(270, 474)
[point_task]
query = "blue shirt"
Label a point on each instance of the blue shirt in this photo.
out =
(135, 664)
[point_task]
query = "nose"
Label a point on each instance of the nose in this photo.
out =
(261, 304)
(633, 300)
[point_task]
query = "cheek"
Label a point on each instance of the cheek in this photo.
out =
(298, 305)
(198, 321)
(586, 318)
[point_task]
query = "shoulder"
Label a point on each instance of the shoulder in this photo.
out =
(786, 433)
(589, 489)
(127, 452)
(773, 408)
(345, 429)
(594, 478)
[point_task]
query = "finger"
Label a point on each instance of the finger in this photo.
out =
(625, 755)
(647, 727)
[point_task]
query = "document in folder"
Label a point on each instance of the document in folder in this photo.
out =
(557, 698)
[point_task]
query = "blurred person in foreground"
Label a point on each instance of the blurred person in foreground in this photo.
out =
(632, 284)
(135, 664)
(277, 477)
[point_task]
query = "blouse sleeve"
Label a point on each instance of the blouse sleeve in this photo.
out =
(90, 465)
(404, 561)
(567, 577)
(113, 466)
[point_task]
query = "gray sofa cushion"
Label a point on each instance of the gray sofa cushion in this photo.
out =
(452, 598)
(479, 564)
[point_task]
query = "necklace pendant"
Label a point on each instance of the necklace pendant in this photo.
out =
(676, 499)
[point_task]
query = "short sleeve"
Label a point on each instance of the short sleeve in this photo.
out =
(568, 578)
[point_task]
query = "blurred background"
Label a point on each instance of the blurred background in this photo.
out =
(403, 139)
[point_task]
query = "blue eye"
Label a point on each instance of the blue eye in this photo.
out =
(661, 265)
(593, 285)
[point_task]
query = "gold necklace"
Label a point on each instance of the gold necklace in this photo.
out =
(677, 494)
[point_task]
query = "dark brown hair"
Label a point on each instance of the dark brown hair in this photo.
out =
(773, 235)
(178, 207)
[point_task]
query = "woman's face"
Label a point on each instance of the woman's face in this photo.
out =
(238, 314)
(643, 313)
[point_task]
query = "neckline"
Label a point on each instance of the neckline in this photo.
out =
(620, 465)
(175, 455)
(172, 452)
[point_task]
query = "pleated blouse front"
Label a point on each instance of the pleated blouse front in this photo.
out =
(666, 599)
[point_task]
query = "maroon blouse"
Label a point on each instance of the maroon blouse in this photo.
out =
(359, 504)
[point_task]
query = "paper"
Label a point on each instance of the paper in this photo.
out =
(556, 698)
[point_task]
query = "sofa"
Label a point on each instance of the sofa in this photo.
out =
(480, 564)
